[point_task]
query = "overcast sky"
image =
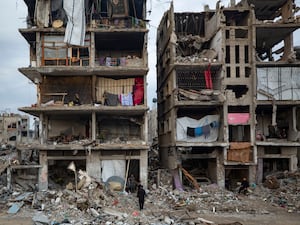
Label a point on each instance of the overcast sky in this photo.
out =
(17, 91)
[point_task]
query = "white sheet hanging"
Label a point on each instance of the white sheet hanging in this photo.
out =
(184, 122)
(75, 30)
(113, 168)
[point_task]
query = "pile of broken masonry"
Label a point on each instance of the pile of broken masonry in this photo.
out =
(95, 203)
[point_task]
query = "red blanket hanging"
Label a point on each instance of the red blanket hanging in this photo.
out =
(208, 80)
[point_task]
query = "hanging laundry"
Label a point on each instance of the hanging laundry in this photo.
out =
(208, 80)
(111, 99)
(138, 92)
(206, 130)
(198, 131)
(126, 99)
(75, 30)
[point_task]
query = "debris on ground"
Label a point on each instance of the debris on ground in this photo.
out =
(95, 202)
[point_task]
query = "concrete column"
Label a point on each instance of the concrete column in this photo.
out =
(93, 165)
(94, 89)
(45, 128)
(43, 171)
(252, 174)
(287, 13)
(259, 175)
(145, 129)
(41, 128)
(293, 163)
(38, 49)
(92, 50)
(144, 168)
(220, 169)
(93, 126)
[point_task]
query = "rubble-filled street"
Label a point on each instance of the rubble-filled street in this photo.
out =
(101, 203)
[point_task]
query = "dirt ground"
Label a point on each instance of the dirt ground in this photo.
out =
(281, 218)
(274, 216)
(274, 219)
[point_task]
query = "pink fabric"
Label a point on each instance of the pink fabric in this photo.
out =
(138, 93)
(208, 80)
(238, 118)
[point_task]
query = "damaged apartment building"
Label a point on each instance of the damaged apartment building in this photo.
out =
(14, 128)
(228, 91)
(88, 60)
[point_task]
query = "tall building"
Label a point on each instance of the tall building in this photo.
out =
(89, 62)
(228, 90)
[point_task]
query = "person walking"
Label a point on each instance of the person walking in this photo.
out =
(141, 193)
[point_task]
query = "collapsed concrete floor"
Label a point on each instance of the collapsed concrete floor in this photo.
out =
(97, 203)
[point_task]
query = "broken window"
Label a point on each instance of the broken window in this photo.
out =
(239, 90)
(241, 33)
(189, 23)
(12, 125)
(236, 18)
(247, 71)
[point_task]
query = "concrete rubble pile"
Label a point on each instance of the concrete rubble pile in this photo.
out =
(190, 49)
(8, 155)
(283, 189)
(95, 203)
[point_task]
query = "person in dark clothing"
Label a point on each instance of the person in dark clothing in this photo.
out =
(132, 183)
(141, 193)
(244, 186)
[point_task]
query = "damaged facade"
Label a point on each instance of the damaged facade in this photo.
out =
(89, 62)
(14, 128)
(228, 96)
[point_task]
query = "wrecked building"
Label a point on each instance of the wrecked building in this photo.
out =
(228, 91)
(14, 128)
(89, 63)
